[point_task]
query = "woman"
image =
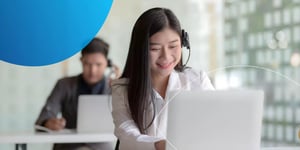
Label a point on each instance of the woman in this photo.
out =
(153, 72)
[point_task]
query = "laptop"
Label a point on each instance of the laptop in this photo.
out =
(94, 114)
(215, 120)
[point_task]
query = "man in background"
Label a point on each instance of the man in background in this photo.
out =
(63, 99)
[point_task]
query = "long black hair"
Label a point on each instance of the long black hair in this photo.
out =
(137, 68)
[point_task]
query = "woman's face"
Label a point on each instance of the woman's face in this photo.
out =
(165, 52)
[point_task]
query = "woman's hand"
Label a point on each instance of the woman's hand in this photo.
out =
(160, 145)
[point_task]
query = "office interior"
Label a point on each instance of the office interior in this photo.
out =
(252, 44)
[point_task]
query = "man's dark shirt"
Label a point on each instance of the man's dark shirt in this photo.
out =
(64, 99)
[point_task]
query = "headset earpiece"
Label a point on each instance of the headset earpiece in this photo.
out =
(185, 43)
(109, 63)
(185, 39)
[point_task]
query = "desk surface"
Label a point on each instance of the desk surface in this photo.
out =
(56, 137)
(13, 138)
(281, 148)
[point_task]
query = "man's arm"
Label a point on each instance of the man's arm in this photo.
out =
(53, 105)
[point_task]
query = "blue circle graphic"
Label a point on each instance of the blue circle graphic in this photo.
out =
(43, 32)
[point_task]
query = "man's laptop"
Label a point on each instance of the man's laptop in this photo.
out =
(215, 120)
(94, 114)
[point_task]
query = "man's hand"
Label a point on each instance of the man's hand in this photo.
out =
(117, 71)
(55, 123)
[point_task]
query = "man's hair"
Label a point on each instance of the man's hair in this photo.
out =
(97, 45)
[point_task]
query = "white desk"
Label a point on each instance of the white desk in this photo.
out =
(281, 148)
(22, 139)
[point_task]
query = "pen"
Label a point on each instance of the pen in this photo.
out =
(58, 115)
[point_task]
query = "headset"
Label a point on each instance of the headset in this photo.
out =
(112, 69)
(185, 42)
(109, 63)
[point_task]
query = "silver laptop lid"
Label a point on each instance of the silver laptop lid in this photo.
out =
(215, 120)
(94, 114)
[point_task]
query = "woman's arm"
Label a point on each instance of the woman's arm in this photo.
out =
(205, 81)
(125, 128)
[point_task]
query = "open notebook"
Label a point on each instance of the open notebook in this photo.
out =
(64, 131)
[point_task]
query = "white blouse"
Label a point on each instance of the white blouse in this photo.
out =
(125, 128)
